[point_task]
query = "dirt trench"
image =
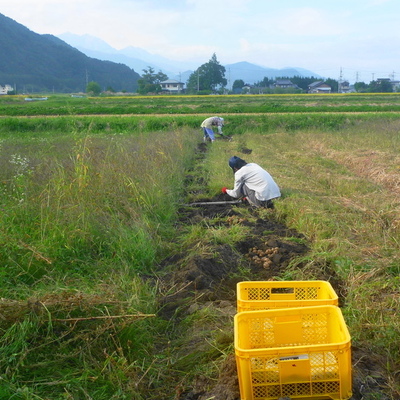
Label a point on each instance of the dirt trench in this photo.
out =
(210, 281)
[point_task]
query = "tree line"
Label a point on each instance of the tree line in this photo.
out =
(209, 78)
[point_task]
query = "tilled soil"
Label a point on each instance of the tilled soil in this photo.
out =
(210, 281)
(201, 281)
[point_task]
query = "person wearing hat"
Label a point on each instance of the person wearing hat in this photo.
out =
(208, 125)
(252, 182)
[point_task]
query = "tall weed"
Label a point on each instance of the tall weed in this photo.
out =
(83, 214)
(100, 197)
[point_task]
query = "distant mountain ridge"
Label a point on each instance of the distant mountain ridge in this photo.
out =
(140, 59)
(34, 62)
(251, 73)
(134, 57)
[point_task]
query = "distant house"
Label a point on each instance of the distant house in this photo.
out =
(344, 87)
(396, 85)
(284, 84)
(5, 89)
(380, 80)
(172, 86)
(247, 88)
(319, 87)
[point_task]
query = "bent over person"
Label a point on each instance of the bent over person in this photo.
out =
(252, 182)
(208, 125)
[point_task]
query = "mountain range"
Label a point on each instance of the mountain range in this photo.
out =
(42, 63)
(140, 59)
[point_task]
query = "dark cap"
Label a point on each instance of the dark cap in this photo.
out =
(236, 162)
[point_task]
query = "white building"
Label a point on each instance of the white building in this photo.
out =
(396, 85)
(172, 86)
(5, 89)
(319, 87)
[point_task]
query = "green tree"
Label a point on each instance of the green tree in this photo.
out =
(150, 81)
(266, 82)
(238, 84)
(208, 77)
(303, 82)
(93, 88)
(334, 84)
(361, 87)
(381, 86)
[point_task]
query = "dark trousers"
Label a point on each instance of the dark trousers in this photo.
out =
(251, 197)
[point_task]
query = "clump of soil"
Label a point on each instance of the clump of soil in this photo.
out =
(213, 277)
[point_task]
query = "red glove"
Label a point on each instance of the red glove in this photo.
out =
(223, 190)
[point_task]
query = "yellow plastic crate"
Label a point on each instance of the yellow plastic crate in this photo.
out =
(300, 353)
(264, 295)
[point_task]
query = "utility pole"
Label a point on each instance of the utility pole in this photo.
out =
(340, 81)
(87, 78)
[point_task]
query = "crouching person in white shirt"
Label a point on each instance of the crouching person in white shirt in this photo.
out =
(252, 182)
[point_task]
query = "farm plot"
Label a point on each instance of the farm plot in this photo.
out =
(104, 267)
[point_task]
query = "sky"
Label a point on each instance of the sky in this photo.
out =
(354, 40)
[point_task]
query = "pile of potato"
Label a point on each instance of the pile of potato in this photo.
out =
(234, 219)
(262, 257)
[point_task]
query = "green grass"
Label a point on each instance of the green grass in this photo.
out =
(84, 217)
(88, 209)
(90, 198)
(232, 104)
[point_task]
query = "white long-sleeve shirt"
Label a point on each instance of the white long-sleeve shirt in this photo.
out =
(257, 179)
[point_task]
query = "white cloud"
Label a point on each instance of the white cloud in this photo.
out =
(310, 22)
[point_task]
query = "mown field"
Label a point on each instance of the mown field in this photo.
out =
(92, 228)
(229, 104)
